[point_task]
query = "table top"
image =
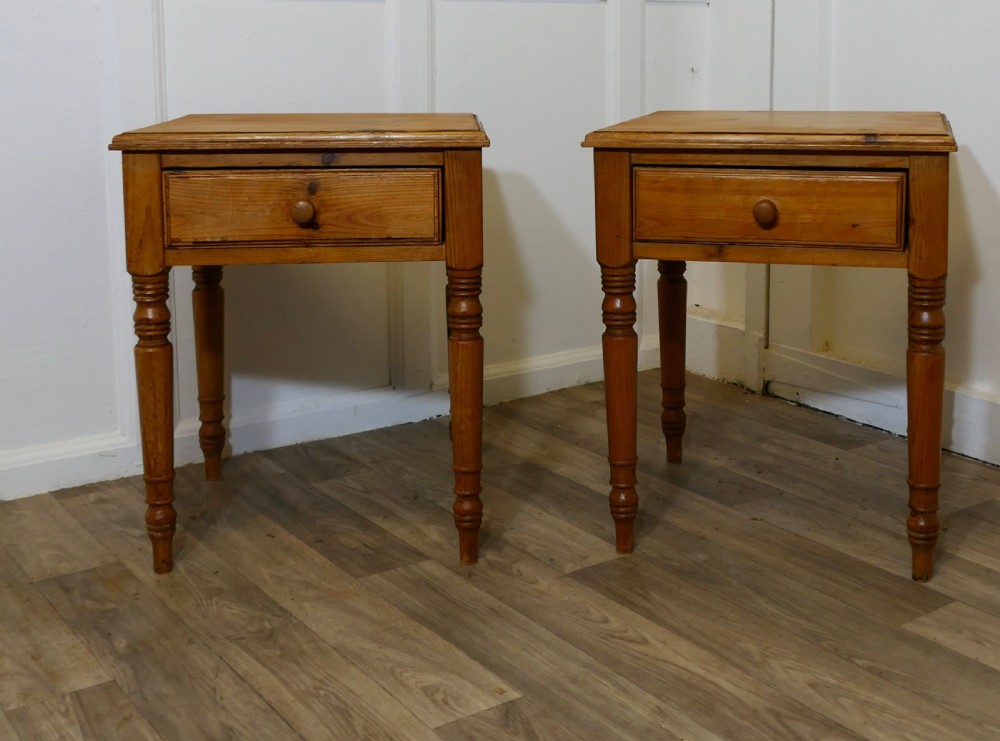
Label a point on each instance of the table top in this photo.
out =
(255, 131)
(786, 130)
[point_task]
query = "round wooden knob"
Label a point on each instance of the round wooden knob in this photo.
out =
(765, 213)
(303, 213)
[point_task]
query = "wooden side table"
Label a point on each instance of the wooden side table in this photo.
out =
(215, 190)
(862, 189)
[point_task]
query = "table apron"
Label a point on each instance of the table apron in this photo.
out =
(773, 255)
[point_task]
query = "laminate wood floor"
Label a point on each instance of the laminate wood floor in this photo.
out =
(317, 591)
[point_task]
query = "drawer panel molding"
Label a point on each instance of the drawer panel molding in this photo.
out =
(825, 208)
(259, 206)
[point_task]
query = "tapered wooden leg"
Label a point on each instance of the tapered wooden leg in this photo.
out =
(154, 376)
(208, 301)
(671, 289)
(621, 355)
(465, 371)
(924, 394)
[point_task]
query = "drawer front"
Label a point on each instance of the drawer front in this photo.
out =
(824, 208)
(293, 206)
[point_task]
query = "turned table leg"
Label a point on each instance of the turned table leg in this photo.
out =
(465, 371)
(208, 302)
(924, 394)
(672, 301)
(154, 376)
(621, 354)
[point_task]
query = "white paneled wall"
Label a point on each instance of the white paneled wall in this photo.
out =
(319, 351)
(57, 340)
(838, 335)
(299, 338)
(59, 375)
(322, 351)
(711, 56)
(536, 106)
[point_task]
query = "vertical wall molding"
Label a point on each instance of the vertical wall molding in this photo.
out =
(409, 88)
(801, 65)
(741, 74)
(625, 81)
(392, 48)
(160, 60)
(158, 50)
(137, 95)
(625, 62)
(757, 303)
(430, 68)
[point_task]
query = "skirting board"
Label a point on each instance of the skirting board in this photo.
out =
(46, 467)
(716, 352)
(715, 349)
(878, 398)
(41, 468)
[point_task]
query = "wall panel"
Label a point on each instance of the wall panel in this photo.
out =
(845, 349)
(296, 335)
(534, 72)
(313, 351)
(57, 369)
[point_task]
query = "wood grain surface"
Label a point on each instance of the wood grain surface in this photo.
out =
(787, 130)
(821, 208)
(317, 596)
(306, 131)
(349, 205)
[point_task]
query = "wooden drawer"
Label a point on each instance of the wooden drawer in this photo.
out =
(827, 208)
(294, 206)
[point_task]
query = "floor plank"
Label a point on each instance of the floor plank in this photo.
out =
(7, 732)
(520, 720)
(430, 677)
(40, 657)
(963, 629)
(45, 541)
(866, 704)
(571, 684)
(544, 535)
(317, 591)
(99, 712)
(183, 688)
(859, 636)
(304, 678)
(651, 656)
(313, 461)
(330, 528)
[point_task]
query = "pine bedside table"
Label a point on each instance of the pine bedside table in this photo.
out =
(856, 189)
(215, 190)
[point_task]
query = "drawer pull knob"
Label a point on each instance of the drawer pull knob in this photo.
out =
(303, 213)
(765, 213)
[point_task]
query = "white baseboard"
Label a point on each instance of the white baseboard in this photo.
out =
(53, 466)
(61, 464)
(48, 467)
(344, 414)
(531, 376)
(878, 398)
(872, 397)
(39, 468)
(715, 349)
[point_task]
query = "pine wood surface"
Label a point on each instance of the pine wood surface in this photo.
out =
(215, 216)
(789, 130)
(242, 131)
(348, 205)
(791, 213)
(856, 209)
(316, 593)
